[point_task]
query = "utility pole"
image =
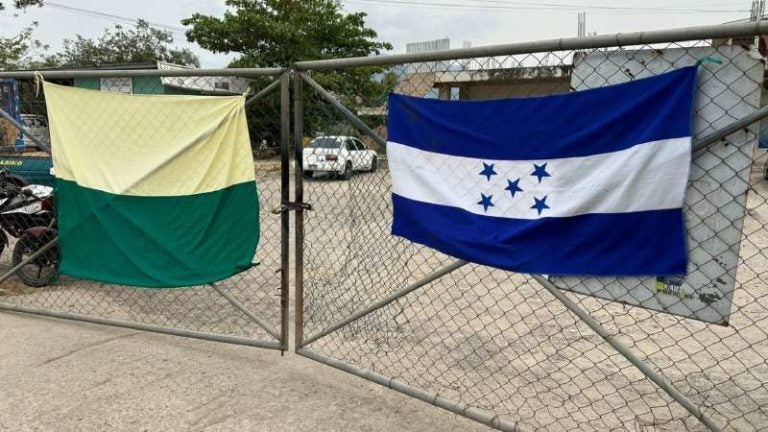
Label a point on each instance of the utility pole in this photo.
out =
(756, 14)
(582, 32)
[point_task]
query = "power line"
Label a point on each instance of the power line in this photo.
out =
(547, 5)
(111, 17)
(499, 5)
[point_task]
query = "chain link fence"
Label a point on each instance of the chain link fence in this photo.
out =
(247, 308)
(512, 351)
(499, 347)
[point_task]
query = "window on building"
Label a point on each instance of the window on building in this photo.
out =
(221, 85)
(116, 85)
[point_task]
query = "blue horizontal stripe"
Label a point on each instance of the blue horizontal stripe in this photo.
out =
(649, 243)
(583, 123)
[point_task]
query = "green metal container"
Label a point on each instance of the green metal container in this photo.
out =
(35, 169)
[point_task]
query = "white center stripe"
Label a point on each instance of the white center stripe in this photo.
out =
(530, 189)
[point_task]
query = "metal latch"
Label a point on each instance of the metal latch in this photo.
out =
(291, 206)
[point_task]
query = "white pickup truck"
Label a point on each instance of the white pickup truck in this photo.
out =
(342, 155)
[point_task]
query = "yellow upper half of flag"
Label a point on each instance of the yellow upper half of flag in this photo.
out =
(148, 145)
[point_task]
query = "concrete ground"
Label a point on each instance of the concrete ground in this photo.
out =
(69, 376)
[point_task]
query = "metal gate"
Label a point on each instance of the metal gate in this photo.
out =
(250, 308)
(512, 351)
(525, 352)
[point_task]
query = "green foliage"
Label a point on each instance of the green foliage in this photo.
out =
(270, 33)
(141, 44)
(21, 4)
(278, 33)
(16, 52)
(137, 45)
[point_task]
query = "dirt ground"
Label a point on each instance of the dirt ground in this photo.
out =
(69, 376)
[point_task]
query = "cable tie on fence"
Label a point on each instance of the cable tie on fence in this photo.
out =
(708, 59)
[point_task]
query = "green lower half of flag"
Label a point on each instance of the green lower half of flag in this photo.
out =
(157, 242)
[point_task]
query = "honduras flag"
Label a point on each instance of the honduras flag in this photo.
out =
(585, 183)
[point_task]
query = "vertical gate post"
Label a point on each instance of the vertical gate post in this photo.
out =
(298, 133)
(285, 139)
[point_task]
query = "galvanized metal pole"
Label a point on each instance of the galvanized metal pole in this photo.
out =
(285, 184)
(389, 299)
(650, 373)
(145, 327)
(464, 410)
(298, 284)
(263, 92)
(241, 307)
(349, 115)
(29, 259)
(577, 43)
(126, 73)
(25, 131)
(730, 128)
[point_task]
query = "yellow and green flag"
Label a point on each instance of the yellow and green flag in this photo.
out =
(152, 190)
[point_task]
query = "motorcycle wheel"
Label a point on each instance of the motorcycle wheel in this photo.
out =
(42, 270)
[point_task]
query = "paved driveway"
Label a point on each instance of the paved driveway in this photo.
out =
(69, 376)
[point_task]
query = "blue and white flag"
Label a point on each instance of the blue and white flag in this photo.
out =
(585, 183)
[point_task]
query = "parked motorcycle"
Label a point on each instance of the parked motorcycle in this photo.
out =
(14, 180)
(27, 213)
(42, 269)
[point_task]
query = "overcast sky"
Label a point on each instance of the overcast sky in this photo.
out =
(399, 21)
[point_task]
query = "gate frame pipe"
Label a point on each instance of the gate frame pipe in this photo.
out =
(29, 259)
(636, 361)
(214, 337)
(729, 129)
(241, 307)
(25, 131)
(285, 221)
(435, 275)
(262, 93)
(127, 73)
(575, 43)
(464, 410)
(349, 115)
(298, 134)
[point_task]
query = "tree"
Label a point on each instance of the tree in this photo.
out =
(16, 51)
(269, 33)
(119, 45)
(21, 4)
(274, 33)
